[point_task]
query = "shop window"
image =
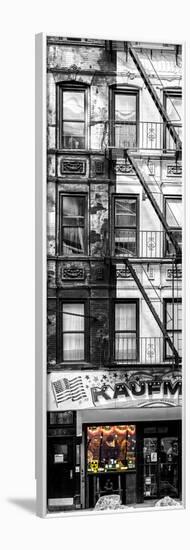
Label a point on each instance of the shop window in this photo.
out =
(111, 449)
(124, 127)
(73, 331)
(73, 224)
(125, 225)
(173, 214)
(173, 106)
(61, 418)
(173, 324)
(126, 331)
(73, 117)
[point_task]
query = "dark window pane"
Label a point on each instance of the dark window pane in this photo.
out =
(125, 242)
(125, 212)
(73, 105)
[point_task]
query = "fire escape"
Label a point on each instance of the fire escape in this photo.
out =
(134, 154)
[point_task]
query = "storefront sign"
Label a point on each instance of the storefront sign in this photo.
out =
(71, 390)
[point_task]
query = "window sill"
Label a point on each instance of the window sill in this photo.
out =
(70, 365)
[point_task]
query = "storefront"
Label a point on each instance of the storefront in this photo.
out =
(132, 448)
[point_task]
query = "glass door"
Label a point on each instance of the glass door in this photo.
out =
(161, 467)
(150, 452)
(169, 467)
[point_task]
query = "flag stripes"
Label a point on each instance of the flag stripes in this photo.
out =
(65, 389)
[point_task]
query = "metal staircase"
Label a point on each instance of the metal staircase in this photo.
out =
(155, 97)
(130, 267)
(154, 203)
(131, 155)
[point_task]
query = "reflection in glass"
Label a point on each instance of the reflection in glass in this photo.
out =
(150, 451)
(169, 467)
(73, 123)
(126, 217)
(125, 135)
(174, 110)
(73, 223)
(111, 448)
(73, 105)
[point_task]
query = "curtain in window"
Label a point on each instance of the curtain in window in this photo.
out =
(73, 225)
(73, 332)
(125, 120)
(125, 332)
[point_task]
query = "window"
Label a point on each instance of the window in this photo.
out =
(73, 332)
(173, 106)
(111, 448)
(173, 324)
(126, 331)
(73, 224)
(125, 231)
(73, 123)
(125, 115)
(173, 214)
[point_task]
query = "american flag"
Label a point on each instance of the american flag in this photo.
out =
(65, 389)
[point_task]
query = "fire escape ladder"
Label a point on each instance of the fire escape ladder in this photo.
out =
(152, 309)
(154, 203)
(155, 97)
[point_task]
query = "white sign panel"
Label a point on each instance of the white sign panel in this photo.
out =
(74, 390)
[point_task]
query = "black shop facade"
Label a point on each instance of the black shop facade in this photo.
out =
(113, 433)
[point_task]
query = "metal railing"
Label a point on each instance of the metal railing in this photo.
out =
(146, 135)
(146, 350)
(144, 244)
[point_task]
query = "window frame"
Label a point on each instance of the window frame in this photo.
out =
(71, 87)
(137, 331)
(60, 247)
(123, 91)
(167, 93)
(171, 228)
(73, 301)
(170, 332)
(125, 196)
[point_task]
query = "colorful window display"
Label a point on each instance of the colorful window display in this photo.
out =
(111, 448)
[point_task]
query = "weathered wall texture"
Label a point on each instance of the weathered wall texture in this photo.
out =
(90, 172)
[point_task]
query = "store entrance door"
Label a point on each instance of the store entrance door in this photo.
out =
(60, 474)
(161, 467)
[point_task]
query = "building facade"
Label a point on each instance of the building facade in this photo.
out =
(114, 200)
